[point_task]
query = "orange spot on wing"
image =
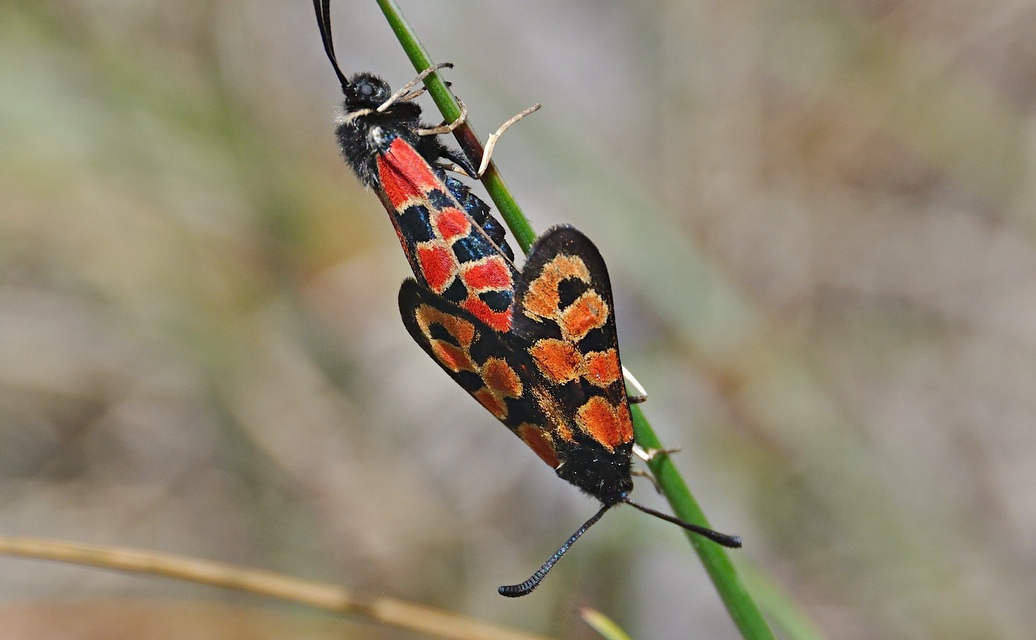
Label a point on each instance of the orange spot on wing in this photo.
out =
(451, 356)
(565, 433)
(542, 298)
(558, 360)
(455, 357)
(501, 382)
(602, 367)
(604, 423)
(462, 330)
(587, 313)
(539, 443)
(501, 378)
(494, 404)
(541, 301)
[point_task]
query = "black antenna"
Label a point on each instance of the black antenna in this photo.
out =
(525, 588)
(734, 542)
(323, 11)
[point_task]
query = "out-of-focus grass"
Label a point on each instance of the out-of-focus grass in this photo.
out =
(817, 217)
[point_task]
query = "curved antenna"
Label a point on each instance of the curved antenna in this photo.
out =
(734, 542)
(525, 588)
(323, 11)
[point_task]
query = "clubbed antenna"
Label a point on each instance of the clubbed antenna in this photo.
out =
(525, 588)
(734, 542)
(323, 11)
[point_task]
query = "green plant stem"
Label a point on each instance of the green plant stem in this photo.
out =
(466, 137)
(739, 603)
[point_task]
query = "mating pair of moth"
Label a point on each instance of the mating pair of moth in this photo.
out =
(537, 347)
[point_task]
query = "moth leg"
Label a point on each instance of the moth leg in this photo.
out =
(647, 455)
(405, 89)
(651, 478)
(352, 116)
(487, 154)
(641, 394)
(446, 128)
(413, 95)
(458, 161)
(417, 93)
(454, 166)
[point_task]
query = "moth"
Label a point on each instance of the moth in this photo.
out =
(536, 347)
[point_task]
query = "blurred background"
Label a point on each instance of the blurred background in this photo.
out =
(819, 220)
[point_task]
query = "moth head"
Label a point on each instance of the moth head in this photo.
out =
(365, 91)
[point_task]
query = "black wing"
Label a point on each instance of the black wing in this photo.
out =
(563, 308)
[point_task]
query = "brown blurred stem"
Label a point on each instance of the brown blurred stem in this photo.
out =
(327, 597)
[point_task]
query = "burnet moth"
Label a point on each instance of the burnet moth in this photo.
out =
(536, 347)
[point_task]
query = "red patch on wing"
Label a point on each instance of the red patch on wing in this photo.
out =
(438, 265)
(462, 330)
(558, 360)
(588, 312)
(499, 320)
(455, 357)
(602, 367)
(492, 403)
(602, 422)
(501, 379)
(539, 443)
(405, 174)
(452, 223)
(490, 273)
(459, 328)
(542, 298)
(451, 356)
